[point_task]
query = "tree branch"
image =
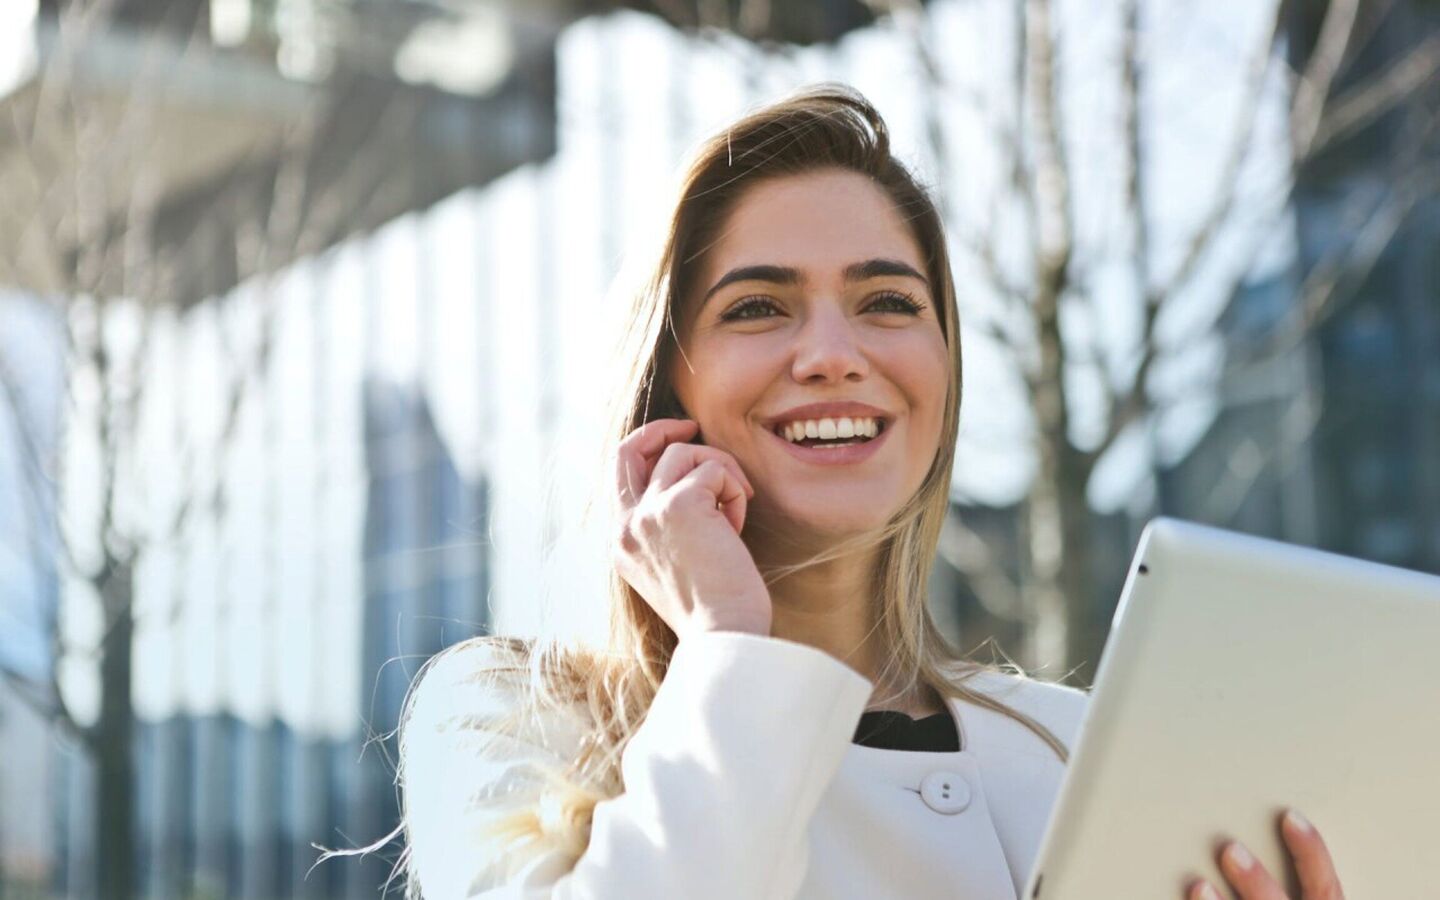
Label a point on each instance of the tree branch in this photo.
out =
(1241, 135)
(1251, 458)
(1054, 217)
(52, 708)
(969, 554)
(1365, 103)
(1331, 283)
(1054, 235)
(1131, 404)
(1013, 299)
(1132, 159)
(1312, 88)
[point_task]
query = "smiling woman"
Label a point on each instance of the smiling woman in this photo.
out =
(846, 326)
(775, 713)
(783, 440)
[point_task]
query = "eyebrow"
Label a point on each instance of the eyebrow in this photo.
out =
(870, 268)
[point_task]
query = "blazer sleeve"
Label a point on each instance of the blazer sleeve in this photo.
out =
(721, 780)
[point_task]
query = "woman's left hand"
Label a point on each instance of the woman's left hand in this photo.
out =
(1249, 879)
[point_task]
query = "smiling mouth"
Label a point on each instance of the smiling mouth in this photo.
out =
(841, 432)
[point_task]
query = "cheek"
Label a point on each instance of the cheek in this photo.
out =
(924, 370)
(721, 384)
(927, 384)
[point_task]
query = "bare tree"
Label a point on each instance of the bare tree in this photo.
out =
(96, 223)
(1050, 285)
(1041, 264)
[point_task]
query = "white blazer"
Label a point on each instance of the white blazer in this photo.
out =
(743, 782)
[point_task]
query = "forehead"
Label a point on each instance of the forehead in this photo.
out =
(818, 222)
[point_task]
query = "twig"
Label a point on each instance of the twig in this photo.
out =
(969, 554)
(1364, 104)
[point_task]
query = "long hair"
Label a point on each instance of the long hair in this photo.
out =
(611, 689)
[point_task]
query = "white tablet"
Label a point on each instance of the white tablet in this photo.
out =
(1242, 676)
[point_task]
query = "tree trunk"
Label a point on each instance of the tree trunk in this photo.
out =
(1058, 549)
(114, 742)
(1077, 531)
(1047, 636)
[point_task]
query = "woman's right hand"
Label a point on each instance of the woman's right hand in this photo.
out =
(681, 510)
(1249, 877)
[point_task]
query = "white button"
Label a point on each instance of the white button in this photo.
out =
(945, 792)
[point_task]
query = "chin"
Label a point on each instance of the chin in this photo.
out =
(836, 520)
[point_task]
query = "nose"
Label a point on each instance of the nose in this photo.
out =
(828, 350)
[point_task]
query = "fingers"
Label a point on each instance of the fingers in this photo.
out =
(639, 451)
(714, 479)
(1248, 875)
(677, 460)
(1318, 879)
(656, 455)
(1313, 864)
(1201, 890)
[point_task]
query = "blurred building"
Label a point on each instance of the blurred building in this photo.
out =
(29, 588)
(230, 806)
(427, 585)
(388, 487)
(276, 637)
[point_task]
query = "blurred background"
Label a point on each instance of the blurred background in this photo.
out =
(303, 314)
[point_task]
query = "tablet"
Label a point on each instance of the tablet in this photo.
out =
(1242, 676)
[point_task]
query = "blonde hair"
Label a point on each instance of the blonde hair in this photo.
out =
(824, 127)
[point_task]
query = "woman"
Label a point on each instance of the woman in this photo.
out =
(775, 714)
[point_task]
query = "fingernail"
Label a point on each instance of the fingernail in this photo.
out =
(1239, 857)
(1208, 893)
(1298, 822)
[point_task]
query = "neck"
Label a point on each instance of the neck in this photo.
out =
(832, 606)
(829, 606)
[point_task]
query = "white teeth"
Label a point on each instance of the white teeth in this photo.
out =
(831, 429)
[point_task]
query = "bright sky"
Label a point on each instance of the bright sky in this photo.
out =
(17, 42)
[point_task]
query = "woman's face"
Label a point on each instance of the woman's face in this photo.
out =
(805, 311)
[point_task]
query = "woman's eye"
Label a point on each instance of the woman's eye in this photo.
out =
(763, 307)
(749, 308)
(896, 302)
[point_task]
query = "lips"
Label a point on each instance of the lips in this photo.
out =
(831, 455)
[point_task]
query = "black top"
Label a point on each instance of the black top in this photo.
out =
(889, 729)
